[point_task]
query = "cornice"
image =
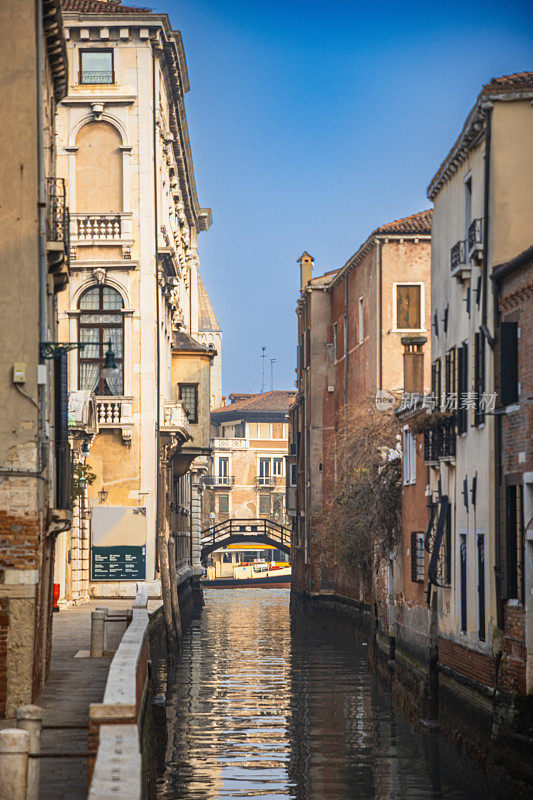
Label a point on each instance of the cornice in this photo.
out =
(365, 248)
(472, 133)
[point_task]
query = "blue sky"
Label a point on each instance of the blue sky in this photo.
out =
(312, 123)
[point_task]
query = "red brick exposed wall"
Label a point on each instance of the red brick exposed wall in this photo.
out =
(19, 541)
(478, 666)
(512, 673)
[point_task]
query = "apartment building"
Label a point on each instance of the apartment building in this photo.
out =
(350, 325)
(134, 299)
(35, 480)
(248, 469)
(481, 222)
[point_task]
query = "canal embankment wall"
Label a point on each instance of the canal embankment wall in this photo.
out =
(127, 729)
(482, 719)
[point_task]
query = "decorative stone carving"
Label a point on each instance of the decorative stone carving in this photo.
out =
(98, 110)
(126, 251)
(99, 275)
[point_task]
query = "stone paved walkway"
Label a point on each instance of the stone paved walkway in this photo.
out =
(72, 685)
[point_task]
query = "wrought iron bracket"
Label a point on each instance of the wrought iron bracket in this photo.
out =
(57, 349)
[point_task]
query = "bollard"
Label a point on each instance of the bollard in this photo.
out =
(102, 608)
(14, 748)
(98, 619)
(30, 718)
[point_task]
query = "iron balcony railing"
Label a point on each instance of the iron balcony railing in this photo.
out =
(458, 254)
(96, 76)
(265, 480)
(475, 234)
(439, 440)
(219, 480)
(57, 217)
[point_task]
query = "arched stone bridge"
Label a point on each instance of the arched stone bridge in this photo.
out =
(242, 531)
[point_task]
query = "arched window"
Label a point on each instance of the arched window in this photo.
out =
(98, 169)
(100, 321)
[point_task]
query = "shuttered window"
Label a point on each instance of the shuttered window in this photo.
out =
(509, 363)
(481, 586)
(417, 556)
(450, 386)
(408, 307)
(436, 382)
(463, 580)
(223, 503)
(264, 504)
(189, 396)
(479, 377)
(462, 386)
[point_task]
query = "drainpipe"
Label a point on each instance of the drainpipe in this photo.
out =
(486, 215)
(380, 315)
(42, 455)
(158, 365)
(306, 437)
(345, 353)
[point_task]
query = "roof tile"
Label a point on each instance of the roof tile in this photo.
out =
(101, 7)
(505, 81)
(416, 223)
(268, 401)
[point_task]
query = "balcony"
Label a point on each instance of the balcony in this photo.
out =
(174, 419)
(96, 76)
(116, 412)
(459, 262)
(101, 229)
(265, 481)
(228, 444)
(57, 231)
(219, 481)
(439, 441)
(475, 240)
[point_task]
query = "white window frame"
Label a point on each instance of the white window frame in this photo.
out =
(395, 306)
(293, 474)
(335, 340)
(278, 474)
(412, 457)
(420, 566)
(406, 452)
(360, 322)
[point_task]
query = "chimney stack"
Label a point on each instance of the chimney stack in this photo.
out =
(306, 266)
(413, 364)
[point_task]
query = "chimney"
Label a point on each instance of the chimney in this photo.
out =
(306, 266)
(413, 364)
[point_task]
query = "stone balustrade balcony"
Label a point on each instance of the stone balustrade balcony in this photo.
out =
(174, 418)
(100, 229)
(116, 412)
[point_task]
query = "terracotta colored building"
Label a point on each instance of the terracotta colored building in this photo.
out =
(350, 325)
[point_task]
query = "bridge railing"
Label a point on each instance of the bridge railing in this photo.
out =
(247, 527)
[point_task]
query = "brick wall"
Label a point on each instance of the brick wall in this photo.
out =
(512, 673)
(4, 627)
(478, 666)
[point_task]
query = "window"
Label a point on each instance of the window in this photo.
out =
(479, 377)
(508, 363)
(277, 467)
(239, 430)
(264, 472)
(448, 546)
(223, 503)
(335, 335)
(264, 430)
(361, 322)
(223, 467)
(481, 586)
(277, 505)
(293, 474)
(409, 456)
(462, 386)
(451, 378)
(436, 383)
(408, 307)
(462, 580)
(468, 204)
(417, 556)
(101, 321)
(96, 66)
(252, 430)
(277, 430)
(264, 504)
(189, 396)
(514, 543)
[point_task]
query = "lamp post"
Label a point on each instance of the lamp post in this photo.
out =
(110, 369)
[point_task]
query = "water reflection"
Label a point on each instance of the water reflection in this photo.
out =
(262, 709)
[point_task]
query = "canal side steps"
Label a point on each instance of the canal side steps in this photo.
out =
(115, 760)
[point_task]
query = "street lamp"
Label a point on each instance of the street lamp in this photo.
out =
(102, 495)
(110, 369)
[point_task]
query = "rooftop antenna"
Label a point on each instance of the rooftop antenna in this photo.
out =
(272, 362)
(263, 356)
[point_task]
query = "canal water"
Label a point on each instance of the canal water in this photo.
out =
(262, 708)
